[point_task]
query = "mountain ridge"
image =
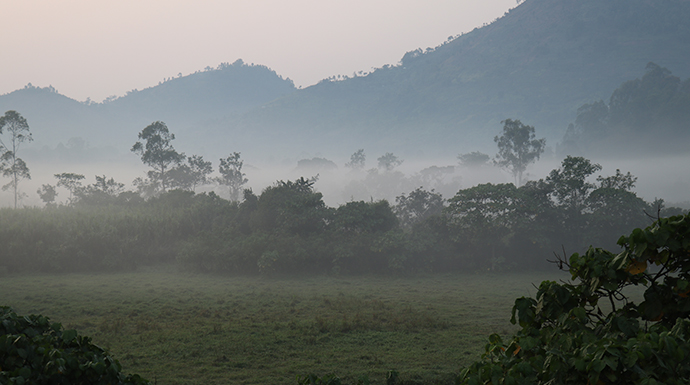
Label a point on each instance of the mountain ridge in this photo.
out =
(539, 63)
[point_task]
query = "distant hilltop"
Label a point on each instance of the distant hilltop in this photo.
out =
(538, 63)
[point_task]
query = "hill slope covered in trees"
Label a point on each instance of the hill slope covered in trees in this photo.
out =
(539, 63)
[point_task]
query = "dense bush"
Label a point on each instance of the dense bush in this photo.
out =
(35, 351)
(107, 237)
(592, 331)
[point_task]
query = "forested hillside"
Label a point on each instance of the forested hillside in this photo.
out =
(189, 102)
(539, 63)
(643, 116)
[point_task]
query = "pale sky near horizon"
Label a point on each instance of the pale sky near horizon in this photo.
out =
(98, 48)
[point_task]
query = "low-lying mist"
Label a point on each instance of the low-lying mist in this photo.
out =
(665, 177)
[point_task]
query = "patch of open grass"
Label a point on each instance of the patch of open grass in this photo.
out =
(178, 328)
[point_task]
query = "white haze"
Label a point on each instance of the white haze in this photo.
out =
(667, 178)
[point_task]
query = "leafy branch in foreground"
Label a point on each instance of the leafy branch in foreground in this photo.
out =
(592, 331)
(35, 351)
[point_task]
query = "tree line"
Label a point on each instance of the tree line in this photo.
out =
(288, 228)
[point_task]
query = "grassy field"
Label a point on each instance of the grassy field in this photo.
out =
(174, 327)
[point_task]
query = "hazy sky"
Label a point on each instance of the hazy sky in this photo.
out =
(98, 48)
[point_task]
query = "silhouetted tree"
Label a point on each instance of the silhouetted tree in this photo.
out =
(103, 191)
(70, 181)
(571, 189)
(517, 147)
(158, 153)
(231, 175)
(199, 170)
(47, 194)
(11, 165)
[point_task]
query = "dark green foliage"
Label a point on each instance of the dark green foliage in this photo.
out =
(418, 206)
(363, 217)
(501, 226)
(359, 231)
(34, 350)
(291, 206)
(288, 228)
(591, 330)
(121, 235)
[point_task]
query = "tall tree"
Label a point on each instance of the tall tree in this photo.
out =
(518, 147)
(158, 153)
(571, 189)
(231, 175)
(11, 165)
(570, 185)
(199, 170)
(187, 176)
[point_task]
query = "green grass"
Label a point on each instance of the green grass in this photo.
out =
(179, 328)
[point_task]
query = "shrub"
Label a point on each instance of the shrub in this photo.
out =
(35, 351)
(591, 330)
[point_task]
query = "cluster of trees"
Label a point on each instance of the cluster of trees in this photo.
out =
(517, 148)
(645, 111)
(288, 227)
(169, 170)
(174, 170)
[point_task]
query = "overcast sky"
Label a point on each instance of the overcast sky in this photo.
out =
(98, 48)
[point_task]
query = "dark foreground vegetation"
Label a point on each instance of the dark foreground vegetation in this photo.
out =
(591, 331)
(34, 350)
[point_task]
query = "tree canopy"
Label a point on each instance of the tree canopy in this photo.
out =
(518, 147)
(158, 153)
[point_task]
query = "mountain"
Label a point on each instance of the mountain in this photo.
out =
(188, 104)
(538, 63)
